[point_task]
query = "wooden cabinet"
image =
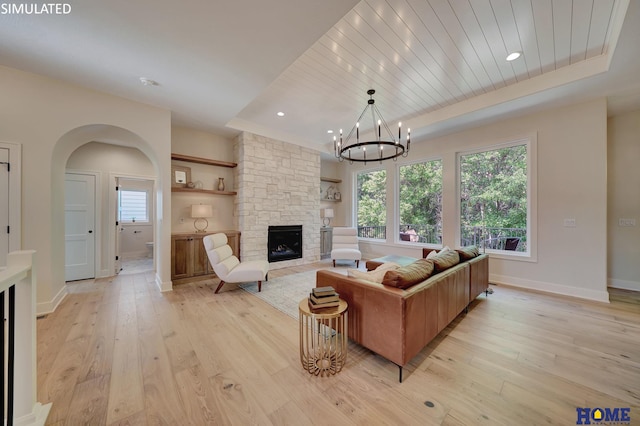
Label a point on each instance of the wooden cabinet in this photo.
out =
(189, 259)
(326, 237)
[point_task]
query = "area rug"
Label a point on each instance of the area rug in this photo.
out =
(285, 293)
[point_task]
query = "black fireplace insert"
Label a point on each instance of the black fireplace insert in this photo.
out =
(284, 243)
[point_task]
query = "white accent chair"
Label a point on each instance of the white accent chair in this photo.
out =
(227, 266)
(345, 245)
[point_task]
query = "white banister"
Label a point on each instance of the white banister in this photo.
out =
(21, 275)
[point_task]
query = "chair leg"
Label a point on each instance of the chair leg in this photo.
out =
(334, 263)
(259, 286)
(357, 263)
(219, 287)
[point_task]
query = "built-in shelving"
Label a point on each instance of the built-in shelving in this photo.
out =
(205, 161)
(326, 195)
(328, 179)
(203, 191)
(201, 160)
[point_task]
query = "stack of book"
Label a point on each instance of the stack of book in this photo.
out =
(323, 297)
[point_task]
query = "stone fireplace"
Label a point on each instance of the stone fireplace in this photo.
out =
(278, 184)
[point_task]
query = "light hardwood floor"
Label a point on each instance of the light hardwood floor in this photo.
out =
(117, 351)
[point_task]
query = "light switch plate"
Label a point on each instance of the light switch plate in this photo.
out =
(570, 223)
(626, 222)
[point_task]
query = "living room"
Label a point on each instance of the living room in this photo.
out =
(583, 151)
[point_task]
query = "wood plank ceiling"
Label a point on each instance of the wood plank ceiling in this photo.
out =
(424, 55)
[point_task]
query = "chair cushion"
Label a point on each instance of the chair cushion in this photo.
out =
(252, 270)
(224, 268)
(346, 253)
(220, 254)
(214, 241)
(406, 276)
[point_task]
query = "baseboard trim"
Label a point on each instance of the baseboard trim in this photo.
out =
(48, 307)
(623, 284)
(38, 415)
(582, 293)
(163, 285)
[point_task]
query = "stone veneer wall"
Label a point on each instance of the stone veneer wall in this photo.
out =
(278, 184)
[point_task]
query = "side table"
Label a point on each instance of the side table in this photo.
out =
(323, 338)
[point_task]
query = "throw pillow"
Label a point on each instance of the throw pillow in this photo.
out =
(445, 260)
(406, 276)
(468, 252)
(431, 254)
(376, 275)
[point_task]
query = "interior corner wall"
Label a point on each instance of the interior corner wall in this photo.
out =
(278, 184)
(215, 147)
(37, 112)
(571, 183)
(623, 244)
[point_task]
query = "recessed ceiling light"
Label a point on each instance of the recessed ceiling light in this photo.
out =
(329, 131)
(148, 82)
(513, 56)
(280, 114)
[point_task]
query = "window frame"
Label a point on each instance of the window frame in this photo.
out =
(397, 219)
(530, 141)
(148, 206)
(355, 200)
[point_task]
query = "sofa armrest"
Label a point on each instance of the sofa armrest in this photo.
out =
(478, 275)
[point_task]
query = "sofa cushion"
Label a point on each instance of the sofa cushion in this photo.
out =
(468, 252)
(406, 276)
(376, 275)
(445, 260)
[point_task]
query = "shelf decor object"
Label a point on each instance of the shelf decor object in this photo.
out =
(220, 184)
(200, 212)
(374, 147)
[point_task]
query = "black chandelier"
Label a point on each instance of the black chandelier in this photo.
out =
(379, 148)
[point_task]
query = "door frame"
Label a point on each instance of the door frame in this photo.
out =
(112, 215)
(15, 194)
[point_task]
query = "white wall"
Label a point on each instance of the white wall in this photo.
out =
(51, 119)
(201, 144)
(624, 201)
(572, 183)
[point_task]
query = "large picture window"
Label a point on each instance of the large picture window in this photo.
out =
(494, 198)
(420, 202)
(371, 200)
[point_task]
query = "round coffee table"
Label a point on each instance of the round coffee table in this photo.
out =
(323, 338)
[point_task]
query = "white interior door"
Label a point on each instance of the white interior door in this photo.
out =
(79, 215)
(4, 206)
(118, 229)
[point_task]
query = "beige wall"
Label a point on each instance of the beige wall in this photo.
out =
(571, 183)
(624, 201)
(201, 144)
(51, 119)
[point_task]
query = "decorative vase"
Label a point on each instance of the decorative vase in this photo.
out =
(220, 184)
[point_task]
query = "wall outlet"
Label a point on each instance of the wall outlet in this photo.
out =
(182, 220)
(626, 222)
(570, 223)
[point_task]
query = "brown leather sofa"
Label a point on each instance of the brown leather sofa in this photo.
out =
(398, 323)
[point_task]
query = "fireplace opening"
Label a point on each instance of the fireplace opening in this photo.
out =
(284, 243)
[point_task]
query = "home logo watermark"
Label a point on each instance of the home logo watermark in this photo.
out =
(603, 416)
(35, 9)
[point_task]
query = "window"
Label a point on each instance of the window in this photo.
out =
(495, 198)
(133, 206)
(371, 208)
(420, 202)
